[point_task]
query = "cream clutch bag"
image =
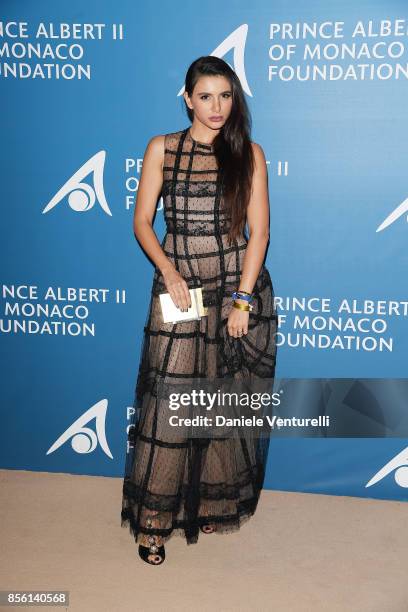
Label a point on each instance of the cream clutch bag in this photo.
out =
(172, 314)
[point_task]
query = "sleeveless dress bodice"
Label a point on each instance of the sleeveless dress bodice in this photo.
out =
(192, 195)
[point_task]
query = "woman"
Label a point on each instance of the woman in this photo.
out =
(213, 180)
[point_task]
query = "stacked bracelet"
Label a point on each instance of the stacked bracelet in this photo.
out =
(242, 295)
(242, 306)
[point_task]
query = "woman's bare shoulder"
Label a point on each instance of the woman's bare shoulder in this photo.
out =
(257, 149)
(156, 143)
(154, 152)
(259, 155)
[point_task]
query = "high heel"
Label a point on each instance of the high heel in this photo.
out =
(146, 551)
(153, 549)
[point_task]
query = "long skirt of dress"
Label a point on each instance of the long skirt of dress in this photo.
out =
(184, 483)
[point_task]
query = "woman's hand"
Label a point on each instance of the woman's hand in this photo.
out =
(238, 321)
(177, 287)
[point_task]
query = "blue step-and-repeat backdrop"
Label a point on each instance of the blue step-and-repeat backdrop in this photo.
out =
(84, 86)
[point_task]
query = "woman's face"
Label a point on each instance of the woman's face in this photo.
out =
(211, 100)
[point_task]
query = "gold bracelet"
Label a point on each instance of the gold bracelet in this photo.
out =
(241, 306)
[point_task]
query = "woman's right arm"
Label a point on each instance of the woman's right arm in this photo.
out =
(150, 186)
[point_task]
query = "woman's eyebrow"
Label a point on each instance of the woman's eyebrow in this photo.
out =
(200, 93)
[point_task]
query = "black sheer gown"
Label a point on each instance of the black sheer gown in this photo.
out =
(183, 483)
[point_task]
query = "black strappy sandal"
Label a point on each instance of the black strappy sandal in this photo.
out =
(153, 549)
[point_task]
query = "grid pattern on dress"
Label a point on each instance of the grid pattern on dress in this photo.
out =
(172, 485)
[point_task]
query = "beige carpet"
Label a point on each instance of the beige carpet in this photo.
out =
(299, 553)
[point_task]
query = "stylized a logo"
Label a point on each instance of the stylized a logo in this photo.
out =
(396, 214)
(236, 40)
(399, 463)
(81, 196)
(84, 439)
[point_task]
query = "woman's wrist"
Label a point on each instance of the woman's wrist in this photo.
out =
(166, 267)
(244, 290)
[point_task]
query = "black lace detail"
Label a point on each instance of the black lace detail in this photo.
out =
(187, 483)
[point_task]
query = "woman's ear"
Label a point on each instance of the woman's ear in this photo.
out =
(187, 100)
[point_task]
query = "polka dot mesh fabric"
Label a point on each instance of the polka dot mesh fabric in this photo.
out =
(173, 485)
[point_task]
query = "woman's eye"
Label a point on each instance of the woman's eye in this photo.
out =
(205, 96)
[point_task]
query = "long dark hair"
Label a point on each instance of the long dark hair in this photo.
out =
(232, 145)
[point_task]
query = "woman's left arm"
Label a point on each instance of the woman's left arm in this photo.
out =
(258, 224)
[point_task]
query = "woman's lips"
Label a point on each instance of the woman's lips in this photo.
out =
(216, 118)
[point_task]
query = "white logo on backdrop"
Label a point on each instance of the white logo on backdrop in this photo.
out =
(84, 439)
(236, 40)
(399, 463)
(81, 196)
(401, 209)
